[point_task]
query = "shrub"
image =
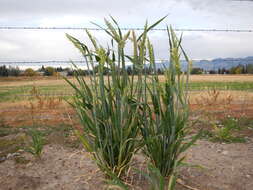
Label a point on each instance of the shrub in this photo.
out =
(196, 71)
(4, 71)
(49, 71)
(30, 72)
(9, 71)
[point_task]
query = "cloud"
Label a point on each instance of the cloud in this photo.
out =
(53, 45)
(215, 45)
(48, 8)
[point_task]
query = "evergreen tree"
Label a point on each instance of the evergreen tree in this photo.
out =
(4, 71)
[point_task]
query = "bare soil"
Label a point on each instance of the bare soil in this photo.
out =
(226, 166)
(221, 167)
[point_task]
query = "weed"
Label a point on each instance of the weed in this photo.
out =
(224, 132)
(231, 123)
(224, 135)
(214, 97)
(43, 101)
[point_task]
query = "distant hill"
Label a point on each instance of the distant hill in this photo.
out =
(214, 64)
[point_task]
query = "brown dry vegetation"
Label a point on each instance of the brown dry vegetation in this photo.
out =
(51, 110)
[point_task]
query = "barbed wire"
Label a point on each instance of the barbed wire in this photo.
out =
(124, 28)
(157, 60)
(44, 62)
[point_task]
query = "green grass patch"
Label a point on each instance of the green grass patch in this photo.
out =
(221, 86)
(18, 93)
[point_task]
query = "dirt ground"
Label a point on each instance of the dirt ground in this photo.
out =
(221, 167)
(226, 166)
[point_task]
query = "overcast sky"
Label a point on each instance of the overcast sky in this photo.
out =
(19, 45)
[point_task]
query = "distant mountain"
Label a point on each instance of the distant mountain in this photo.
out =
(214, 64)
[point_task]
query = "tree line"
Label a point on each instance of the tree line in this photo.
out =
(16, 71)
(6, 71)
(239, 69)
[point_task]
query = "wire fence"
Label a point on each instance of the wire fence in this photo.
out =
(80, 61)
(125, 28)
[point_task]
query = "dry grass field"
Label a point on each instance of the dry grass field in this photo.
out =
(14, 81)
(19, 100)
(221, 78)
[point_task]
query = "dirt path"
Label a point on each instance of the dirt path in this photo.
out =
(224, 167)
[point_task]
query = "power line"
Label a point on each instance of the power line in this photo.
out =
(138, 29)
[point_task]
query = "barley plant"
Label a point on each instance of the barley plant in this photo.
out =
(164, 122)
(122, 112)
(109, 101)
(37, 143)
